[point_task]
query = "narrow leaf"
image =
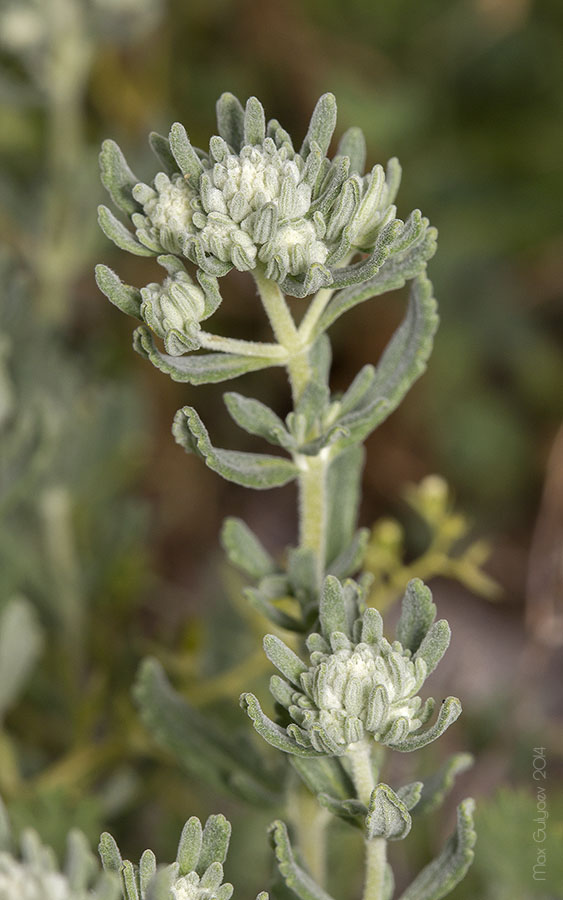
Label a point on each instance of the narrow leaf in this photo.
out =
(296, 878)
(255, 417)
(204, 368)
(247, 469)
(284, 659)
(183, 152)
(388, 816)
(332, 608)
(230, 120)
(119, 234)
(189, 848)
(109, 853)
(160, 146)
(272, 733)
(440, 877)
(117, 177)
(245, 551)
(126, 298)
(321, 126)
(254, 122)
(21, 641)
(353, 144)
(437, 786)
(450, 710)
(434, 645)
(417, 614)
(343, 492)
(216, 837)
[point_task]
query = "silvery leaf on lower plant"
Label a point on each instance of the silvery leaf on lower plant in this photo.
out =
(29, 870)
(314, 226)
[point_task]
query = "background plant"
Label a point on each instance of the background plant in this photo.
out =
(442, 89)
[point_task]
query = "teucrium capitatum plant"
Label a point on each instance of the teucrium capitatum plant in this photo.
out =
(320, 230)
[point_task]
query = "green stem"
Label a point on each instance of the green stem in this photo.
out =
(286, 332)
(313, 502)
(244, 348)
(376, 849)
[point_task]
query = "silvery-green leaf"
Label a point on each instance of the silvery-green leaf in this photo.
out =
(450, 710)
(109, 853)
(117, 177)
(245, 551)
(147, 871)
(365, 269)
(284, 659)
(215, 843)
(254, 122)
(434, 645)
(418, 612)
(230, 120)
(397, 268)
(402, 363)
(410, 794)
(161, 148)
(120, 235)
(255, 417)
(296, 878)
(188, 161)
(259, 598)
(351, 559)
(198, 743)
(437, 786)
(440, 877)
(129, 881)
(324, 775)
(322, 125)
(189, 847)
(353, 144)
(302, 574)
(333, 614)
(272, 733)
(388, 816)
(258, 471)
(126, 298)
(351, 810)
(343, 492)
(21, 641)
(203, 368)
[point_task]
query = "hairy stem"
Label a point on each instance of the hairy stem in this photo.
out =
(244, 348)
(313, 501)
(376, 850)
(286, 332)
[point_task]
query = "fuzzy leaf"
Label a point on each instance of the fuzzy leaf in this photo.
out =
(440, 877)
(21, 641)
(258, 471)
(160, 146)
(183, 152)
(147, 871)
(120, 235)
(434, 645)
(332, 608)
(204, 368)
(117, 177)
(261, 600)
(322, 125)
(450, 710)
(417, 615)
(255, 417)
(394, 272)
(388, 816)
(351, 559)
(353, 144)
(215, 845)
(245, 551)
(189, 847)
(272, 733)
(254, 122)
(410, 794)
(109, 853)
(126, 298)
(284, 659)
(296, 878)
(402, 363)
(198, 743)
(351, 810)
(324, 775)
(230, 120)
(343, 492)
(437, 786)
(302, 575)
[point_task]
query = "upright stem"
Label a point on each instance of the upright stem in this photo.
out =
(376, 849)
(313, 502)
(286, 332)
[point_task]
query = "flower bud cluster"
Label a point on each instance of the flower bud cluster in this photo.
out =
(252, 201)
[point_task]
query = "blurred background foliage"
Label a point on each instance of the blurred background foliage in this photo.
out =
(109, 534)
